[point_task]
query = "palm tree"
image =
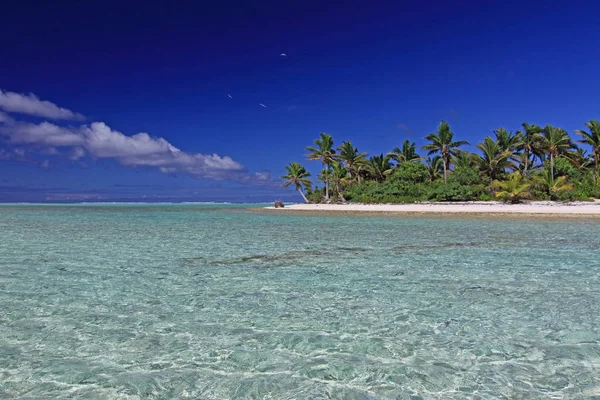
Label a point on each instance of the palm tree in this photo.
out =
(508, 141)
(513, 189)
(379, 167)
(582, 161)
(325, 153)
(441, 142)
(495, 157)
(298, 176)
(545, 181)
(592, 138)
(352, 158)
(555, 142)
(339, 178)
(408, 152)
(434, 167)
(464, 159)
(530, 143)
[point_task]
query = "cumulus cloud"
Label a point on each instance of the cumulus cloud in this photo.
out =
(30, 104)
(99, 141)
(76, 153)
(5, 118)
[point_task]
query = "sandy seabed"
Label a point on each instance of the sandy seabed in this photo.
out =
(487, 207)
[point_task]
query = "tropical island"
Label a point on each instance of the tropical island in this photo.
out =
(533, 163)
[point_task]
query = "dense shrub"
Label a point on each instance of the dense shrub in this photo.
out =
(454, 191)
(316, 195)
(410, 172)
(386, 192)
(464, 184)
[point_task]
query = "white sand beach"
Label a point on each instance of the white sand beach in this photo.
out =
(533, 208)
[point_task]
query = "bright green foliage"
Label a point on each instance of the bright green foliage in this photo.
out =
(410, 173)
(565, 167)
(545, 164)
(513, 190)
(464, 184)
(407, 183)
(553, 187)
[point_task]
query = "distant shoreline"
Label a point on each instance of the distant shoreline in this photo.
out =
(537, 208)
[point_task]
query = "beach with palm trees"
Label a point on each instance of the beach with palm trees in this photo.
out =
(541, 166)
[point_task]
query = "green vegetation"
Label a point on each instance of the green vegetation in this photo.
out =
(538, 163)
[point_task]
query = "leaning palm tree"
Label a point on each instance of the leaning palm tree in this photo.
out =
(324, 152)
(530, 144)
(379, 167)
(555, 142)
(352, 159)
(546, 182)
(592, 138)
(494, 158)
(298, 176)
(408, 152)
(513, 189)
(442, 143)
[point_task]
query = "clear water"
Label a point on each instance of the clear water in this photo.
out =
(218, 302)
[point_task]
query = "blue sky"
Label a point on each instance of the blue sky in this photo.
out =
(372, 72)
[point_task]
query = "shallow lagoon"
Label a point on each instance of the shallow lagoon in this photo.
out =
(215, 302)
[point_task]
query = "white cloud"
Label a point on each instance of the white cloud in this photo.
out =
(98, 141)
(5, 118)
(30, 104)
(44, 134)
(77, 153)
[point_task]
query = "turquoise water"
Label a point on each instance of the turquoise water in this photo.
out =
(218, 302)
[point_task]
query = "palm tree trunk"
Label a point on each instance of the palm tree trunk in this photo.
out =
(552, 167)
(303, 195)
(445, 169)
(326, 182)
(595, 169)
(526, 162)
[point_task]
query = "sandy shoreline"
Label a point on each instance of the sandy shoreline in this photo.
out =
(591, 209)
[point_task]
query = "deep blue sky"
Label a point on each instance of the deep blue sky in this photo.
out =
(356, 70)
